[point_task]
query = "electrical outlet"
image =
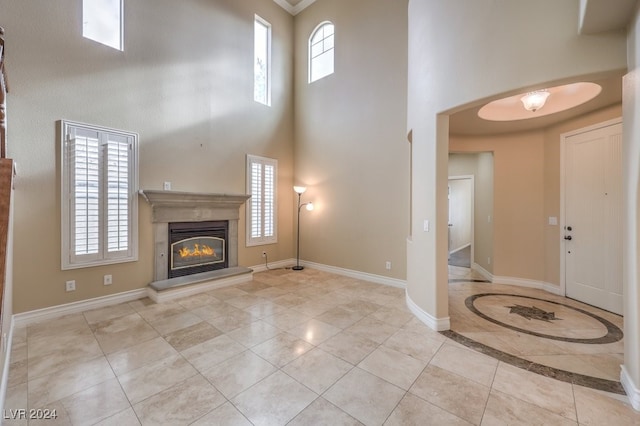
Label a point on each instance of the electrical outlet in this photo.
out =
(264, 254)
(107, 280)
(488, 260)
(167, 186)
(71, 285)
(387, 265)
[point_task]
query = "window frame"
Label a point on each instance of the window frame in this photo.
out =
(71, 260)
(310, 49)
(262, 239)
(258, 20)
(120, 46)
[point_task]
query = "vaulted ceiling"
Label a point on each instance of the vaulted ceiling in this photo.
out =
(595, 16)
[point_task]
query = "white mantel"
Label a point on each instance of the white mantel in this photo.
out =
(175, 206)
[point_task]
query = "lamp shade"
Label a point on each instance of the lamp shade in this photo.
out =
(309, 206)
(533, 101)
(300, 189)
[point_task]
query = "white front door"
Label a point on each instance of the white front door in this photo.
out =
(593, 217)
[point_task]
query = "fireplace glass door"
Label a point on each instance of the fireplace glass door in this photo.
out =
(197, 247)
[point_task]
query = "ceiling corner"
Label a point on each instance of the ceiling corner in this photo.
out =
(294, 6)
(598, 16)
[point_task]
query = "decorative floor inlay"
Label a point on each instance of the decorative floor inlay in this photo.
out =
(537, 331)
(544, 370)
(613, 333)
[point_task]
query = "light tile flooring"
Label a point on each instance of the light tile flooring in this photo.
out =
(296, 348)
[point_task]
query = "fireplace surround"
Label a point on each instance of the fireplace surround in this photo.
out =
(187, 209)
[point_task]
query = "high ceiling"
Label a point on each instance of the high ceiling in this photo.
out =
(595, 16)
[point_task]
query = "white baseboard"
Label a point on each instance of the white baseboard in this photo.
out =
(279, 264)
(365, 276)
(44, 314)
(190, 290)
(5, 368)
(519, 282)
(459, 248)
(485, 274)
(524, 282)
(437, 324)
(632, 389)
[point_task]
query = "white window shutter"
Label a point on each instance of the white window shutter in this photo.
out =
(262, 208)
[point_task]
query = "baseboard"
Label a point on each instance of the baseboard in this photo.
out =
(436, 324)
(485, 274)
(632, 389)
(278, 264)
(5, 368)
(26, 318)
(518, 282)
(524, 282)
(459, 248)
(365, 276)
(190, 290)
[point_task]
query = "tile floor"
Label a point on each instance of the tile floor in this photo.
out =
(595, 359)
(296, 348)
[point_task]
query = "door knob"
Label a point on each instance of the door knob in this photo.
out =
(568, 237)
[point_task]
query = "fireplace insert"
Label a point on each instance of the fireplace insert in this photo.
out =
(196, 247)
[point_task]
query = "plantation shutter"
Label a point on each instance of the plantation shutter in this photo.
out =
(261, 210)
(99, 196)
(117, 180)
(84, 164)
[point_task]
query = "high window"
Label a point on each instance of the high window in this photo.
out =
(262, 178)
(99, 195)
(262, 61)
(321, 51)
(102, 22)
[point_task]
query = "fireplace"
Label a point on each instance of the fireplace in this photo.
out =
(196, 247)
(184, 212)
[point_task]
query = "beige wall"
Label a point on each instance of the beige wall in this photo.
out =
(631, 291)
(351, 149)
(184, 83)
(518, 200)
(487, 54)
(481, 166)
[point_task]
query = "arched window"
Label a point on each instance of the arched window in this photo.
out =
(321, 51)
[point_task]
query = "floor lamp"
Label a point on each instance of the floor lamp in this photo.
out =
(300, 190)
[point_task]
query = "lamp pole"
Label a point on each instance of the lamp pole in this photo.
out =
(298, 267)
(300, 190)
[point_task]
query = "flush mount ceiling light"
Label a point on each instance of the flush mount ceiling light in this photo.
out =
(554, 99)
(533, 101)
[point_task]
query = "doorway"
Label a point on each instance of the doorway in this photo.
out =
(592, 219)
(461, 214)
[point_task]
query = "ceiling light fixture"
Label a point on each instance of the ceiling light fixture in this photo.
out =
(533, 101)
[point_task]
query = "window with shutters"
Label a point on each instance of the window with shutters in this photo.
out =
(99, 195)
(262, 61)
(102, 22)
(321, 44)
(262, 178)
